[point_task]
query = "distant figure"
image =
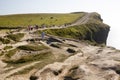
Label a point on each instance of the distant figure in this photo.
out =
(43, 35)
(29, 27)
(36, 27)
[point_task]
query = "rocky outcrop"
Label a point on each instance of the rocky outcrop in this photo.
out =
(95, 63)
(102, 30)
(97, 32)
(92, 63)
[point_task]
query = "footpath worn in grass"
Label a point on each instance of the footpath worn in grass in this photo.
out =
(23, 20)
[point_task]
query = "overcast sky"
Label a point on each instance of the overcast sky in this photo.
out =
(109, 10)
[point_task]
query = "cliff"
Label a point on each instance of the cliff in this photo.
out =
(65, 52)
(89, 27)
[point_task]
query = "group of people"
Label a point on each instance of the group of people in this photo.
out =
(30, 28)
(35, 27)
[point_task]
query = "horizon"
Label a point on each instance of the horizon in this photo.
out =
(43, 13)
(108, 9)
(36, 13)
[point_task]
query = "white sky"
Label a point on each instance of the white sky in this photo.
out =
(109, 10)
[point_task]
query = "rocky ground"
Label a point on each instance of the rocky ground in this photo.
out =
(92, 63)
(86, 62)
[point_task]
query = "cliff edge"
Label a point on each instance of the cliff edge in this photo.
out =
(71, 51)
(89, 27)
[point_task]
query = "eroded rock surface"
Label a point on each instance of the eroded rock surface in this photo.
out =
(88, 65)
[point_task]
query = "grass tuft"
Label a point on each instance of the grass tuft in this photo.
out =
(4, 41)
(32, 47)
(16, 37)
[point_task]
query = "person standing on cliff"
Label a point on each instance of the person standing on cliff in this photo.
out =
(43, 35)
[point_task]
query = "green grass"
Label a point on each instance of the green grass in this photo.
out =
(4, 41)
(10, 27)
(1, 54)
(46, 59)
(16, 37)
(10, 53)
(32, 47)
(91, 31)
(39, 19)
(77, 32)
(71, 32)
(7, 47)
(29, 58)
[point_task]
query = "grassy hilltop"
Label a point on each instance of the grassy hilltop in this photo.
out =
(24, 20)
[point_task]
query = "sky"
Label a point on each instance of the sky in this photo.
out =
(109, 10)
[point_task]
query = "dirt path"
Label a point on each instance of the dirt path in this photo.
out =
(3, 76)
(82, 20)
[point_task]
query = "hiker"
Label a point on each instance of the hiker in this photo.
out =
(43, 35)
(28, 27)
(31, 28)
